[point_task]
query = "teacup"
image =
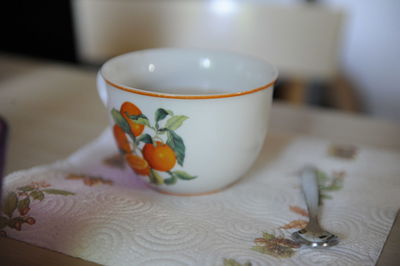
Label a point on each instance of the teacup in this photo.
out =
(188, 121)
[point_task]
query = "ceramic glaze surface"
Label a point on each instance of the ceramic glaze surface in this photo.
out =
(210, 129)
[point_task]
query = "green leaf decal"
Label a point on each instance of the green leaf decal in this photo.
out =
(23, 204)
(10, 204)
(120, 120)
(37, 195)
(57, 192)
(161, 114)
(3, 222)
(26, 188)
(176, 143)
(136, 117)
(183, 175)
(170, 181)
(140, 119)
(175, 122)
(146, 138)
(162, 131)
(143, 121)
(155, 178)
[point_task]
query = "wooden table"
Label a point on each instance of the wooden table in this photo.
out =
(53, 109)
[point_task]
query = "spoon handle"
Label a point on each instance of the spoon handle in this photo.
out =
(310, 188)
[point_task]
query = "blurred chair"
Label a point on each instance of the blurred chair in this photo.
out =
(303, 41)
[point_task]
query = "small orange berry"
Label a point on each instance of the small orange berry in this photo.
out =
(138, 164)
(128, 109)
(121, 139)
(160, 156)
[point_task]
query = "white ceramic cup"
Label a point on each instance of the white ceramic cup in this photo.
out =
(188, 121)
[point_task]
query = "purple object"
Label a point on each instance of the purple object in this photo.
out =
(3, 137)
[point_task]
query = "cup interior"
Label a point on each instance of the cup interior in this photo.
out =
(188, 71)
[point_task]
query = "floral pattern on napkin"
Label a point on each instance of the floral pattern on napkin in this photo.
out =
(278, 247)
(18, 203)
(299, 210)
(281, 247)
(233, 262)
(328, 183)
(90, 180)
(127, 223)
(296, 224)
(299, 224)
(343, 151)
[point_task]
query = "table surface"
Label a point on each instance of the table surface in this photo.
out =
(52, 109)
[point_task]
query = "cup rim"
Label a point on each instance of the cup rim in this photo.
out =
(187, 96)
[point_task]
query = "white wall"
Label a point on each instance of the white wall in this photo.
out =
(371, 54)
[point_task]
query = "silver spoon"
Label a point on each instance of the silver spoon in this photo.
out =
(313, 235)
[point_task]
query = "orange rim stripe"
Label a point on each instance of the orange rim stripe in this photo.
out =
(189, 97)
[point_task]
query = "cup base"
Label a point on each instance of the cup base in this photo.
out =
(188, 194)
(193, 194)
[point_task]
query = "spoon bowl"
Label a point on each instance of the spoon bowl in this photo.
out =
(308, 238)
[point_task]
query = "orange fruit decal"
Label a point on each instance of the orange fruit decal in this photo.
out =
(121, 139)
(151, 148)
(138, 164)
(160, 156)
(128, 109)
